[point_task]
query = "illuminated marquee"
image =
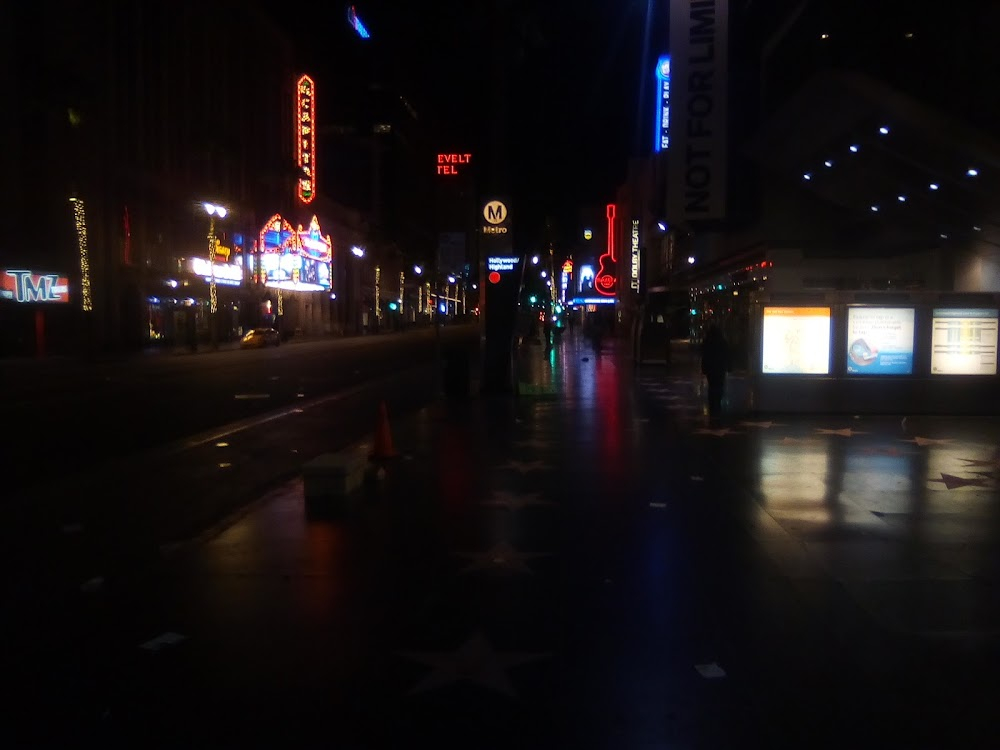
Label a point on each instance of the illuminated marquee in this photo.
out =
(305, 138)
(27, 286)
(228, 274)
(607, 278)
(448, 163)
(662, 129)
(298, 260)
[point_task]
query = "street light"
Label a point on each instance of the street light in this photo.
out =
(213, 210)
(358, 252)
(418, 270)
(451, 279)
(534, 260)
(691, 259)
(544, 274)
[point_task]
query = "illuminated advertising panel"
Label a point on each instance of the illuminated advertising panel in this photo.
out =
(796, 341)
(661, 132)
(880, 340)
(305, 138)
(21, 285)
(964, 342)
(229, 274)
(298, 260)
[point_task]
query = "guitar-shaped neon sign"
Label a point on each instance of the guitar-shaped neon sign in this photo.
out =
(606, 278)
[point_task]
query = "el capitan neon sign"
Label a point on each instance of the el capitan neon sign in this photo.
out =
(305, 138)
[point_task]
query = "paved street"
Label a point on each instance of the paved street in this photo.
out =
(87, 413)
(591, 565)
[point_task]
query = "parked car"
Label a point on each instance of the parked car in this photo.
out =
(258, 338)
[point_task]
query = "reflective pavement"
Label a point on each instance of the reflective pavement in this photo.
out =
(591, 565)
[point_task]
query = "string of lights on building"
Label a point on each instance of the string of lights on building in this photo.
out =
(80, 219)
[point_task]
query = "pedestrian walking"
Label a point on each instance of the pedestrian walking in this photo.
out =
(714, 365)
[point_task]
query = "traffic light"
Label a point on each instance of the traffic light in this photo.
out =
(393, 306)
(533, 299)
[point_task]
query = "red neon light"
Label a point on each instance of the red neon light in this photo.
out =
(446, 162)
(305, 138)
(494, 277)
(605, 281)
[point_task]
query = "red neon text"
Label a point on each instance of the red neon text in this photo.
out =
(446, 162)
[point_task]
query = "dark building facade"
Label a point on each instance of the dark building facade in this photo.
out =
(140, 112)
(860, 157)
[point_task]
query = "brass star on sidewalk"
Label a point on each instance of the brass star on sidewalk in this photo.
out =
(525, 466)
(993, 463)
(846, 432)
(501, 558)
(953, 482)
(475, 661)
(764, 425)
(515, 500)
(721, 432)
(924, 442)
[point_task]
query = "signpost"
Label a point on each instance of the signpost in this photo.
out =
(502, 276)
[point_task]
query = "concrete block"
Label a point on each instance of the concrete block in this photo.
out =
(333, 475)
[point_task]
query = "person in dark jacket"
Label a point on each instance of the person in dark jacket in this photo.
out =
(714, 365)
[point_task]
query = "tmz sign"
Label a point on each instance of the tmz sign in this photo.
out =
(28, 286)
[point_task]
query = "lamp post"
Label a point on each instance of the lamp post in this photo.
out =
(359, 254)
(213, 210)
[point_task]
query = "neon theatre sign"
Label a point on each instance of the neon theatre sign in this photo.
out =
(661, 131)
(27, 286)
(448, 163)
(634, 276)
(305, 138)
(607, 278)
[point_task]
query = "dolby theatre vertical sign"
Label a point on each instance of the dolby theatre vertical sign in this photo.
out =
(699, 39)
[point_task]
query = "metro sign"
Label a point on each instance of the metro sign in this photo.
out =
(27, 286)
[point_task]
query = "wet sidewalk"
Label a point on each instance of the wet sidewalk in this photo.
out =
(589, 565)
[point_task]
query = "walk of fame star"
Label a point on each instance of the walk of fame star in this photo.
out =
(475, 662)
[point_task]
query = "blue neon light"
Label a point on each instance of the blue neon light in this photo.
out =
(352, 18)
(661, 131)
(593, 301)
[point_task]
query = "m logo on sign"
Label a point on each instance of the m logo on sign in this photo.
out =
(495, 212)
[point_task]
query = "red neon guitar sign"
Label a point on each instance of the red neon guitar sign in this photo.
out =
(606, 279)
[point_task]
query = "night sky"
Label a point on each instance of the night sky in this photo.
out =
(573, 90)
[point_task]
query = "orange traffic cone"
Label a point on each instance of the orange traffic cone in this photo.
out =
(383, 436)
